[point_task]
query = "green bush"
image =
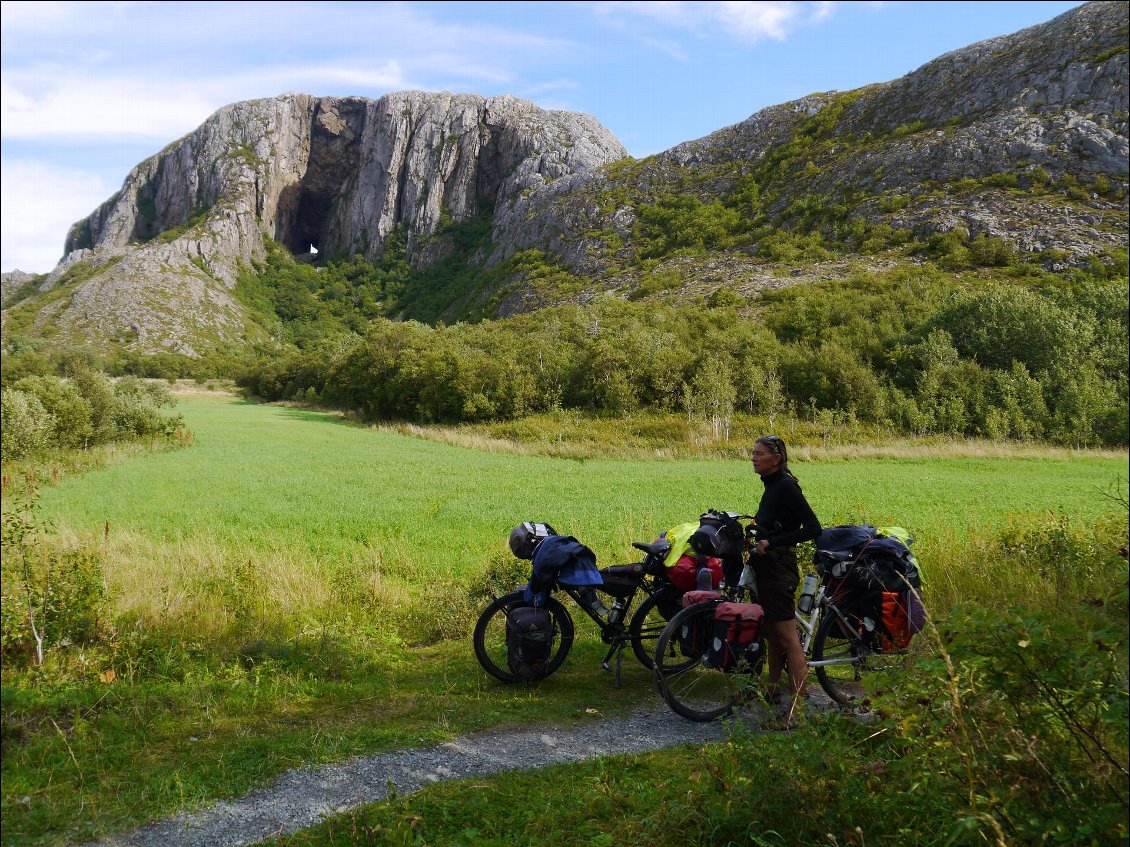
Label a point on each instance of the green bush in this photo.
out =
(53, 594)
(1020, 720)
(70, 413)
(25, 426)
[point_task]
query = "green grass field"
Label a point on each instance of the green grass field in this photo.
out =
(303, 481)
(293, 588)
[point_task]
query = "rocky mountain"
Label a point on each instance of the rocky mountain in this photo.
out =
(1020, 139)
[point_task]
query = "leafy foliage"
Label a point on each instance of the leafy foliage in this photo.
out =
(45, 411)
(902, 350)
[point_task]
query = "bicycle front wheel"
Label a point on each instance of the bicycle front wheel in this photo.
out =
(490, 636)
(842, 658)
(647, 624)
(691, 687)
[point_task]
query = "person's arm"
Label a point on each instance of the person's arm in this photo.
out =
(809, 524)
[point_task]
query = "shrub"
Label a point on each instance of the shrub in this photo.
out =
(70, 412)
(1016, 708)
(25, 426)
(53, 594)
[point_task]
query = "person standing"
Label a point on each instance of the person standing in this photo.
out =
(784, 519)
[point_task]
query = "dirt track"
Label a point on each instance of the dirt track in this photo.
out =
(303, 797)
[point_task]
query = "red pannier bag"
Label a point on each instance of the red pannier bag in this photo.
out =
(692, 597)
(736, 630)
(684, 573)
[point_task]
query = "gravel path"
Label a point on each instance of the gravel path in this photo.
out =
(308, 795)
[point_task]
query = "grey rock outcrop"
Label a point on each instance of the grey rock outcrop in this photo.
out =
(1048, 103)
(13, 283)
(973, 141)
(160, 259)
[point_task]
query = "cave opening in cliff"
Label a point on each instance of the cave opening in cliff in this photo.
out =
(305, 222)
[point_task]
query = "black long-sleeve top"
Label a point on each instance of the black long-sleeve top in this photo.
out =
(784, 516)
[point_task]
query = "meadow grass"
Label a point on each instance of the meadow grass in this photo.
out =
(294, 588)
(307, 484)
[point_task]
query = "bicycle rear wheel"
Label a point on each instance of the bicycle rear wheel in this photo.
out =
(850, 659)
(490, 636)
(690, 687)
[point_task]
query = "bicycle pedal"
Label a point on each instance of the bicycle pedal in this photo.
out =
(606, 666)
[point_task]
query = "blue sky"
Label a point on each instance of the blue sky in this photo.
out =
(91, 89)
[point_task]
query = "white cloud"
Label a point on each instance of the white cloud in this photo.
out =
(744, 20)
(38, 204)
(90, 106)
(754, 21)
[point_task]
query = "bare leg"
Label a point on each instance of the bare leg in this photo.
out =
(776, 662)
(783, 640)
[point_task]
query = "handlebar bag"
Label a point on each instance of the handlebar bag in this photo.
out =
(736, 627)
(529, 641)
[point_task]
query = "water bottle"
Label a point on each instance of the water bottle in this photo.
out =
(705, 580)
(617, 611)
(807, 594)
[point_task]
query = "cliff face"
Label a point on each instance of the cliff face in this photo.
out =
(969, 143)
(161, 257)
(1045, 105)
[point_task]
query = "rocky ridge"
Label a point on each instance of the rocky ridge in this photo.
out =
(1045, 104)
(965, 143)
(160, 259)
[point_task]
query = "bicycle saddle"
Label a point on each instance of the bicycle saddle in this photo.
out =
(658, 548)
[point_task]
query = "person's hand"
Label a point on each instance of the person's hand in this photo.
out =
(762, 546)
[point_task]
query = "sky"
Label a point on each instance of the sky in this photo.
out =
(90, 89)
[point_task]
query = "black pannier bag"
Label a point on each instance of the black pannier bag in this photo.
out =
(723, 536)
(694, 636)
(735, 636)
(529, 641)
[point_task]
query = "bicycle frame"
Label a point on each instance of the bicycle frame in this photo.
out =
(810, 623)
(614, 634)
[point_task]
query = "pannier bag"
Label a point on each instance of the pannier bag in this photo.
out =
(884, 619)
(529, 641)
(694, 635)
(692, 597)
(736, 627)
(895, 624)
(915, 611)
(684, 575)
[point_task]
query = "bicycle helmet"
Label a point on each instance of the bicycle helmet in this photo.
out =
(526, 537)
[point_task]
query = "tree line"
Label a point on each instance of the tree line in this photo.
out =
(908, 350)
